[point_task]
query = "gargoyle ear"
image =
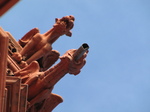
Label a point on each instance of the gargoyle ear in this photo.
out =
(69, 33)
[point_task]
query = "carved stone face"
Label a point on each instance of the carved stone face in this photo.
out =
(65, 24)
(69, 20)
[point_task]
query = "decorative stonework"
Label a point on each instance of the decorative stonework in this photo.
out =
(3, 66)
(13, 85)
(30, 74)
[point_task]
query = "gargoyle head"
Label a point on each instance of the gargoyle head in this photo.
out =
(65, 24)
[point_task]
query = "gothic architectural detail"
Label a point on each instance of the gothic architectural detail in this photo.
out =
(23, 98)
(3, 66)
(13, 85)
(37, 45)
(27, 72)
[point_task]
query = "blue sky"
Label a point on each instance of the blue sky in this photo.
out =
(116, 77)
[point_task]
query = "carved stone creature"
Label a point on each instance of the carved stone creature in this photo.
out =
(42, 83)
(37, 45)
(48, 60)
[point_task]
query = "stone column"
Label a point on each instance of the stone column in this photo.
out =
(3, 65)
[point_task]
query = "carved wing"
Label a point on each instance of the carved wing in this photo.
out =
(27, 37)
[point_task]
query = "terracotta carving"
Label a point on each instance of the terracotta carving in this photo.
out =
(37, 45)
(48, 60)
(28, 66)
(43, 82)
(3, 64)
